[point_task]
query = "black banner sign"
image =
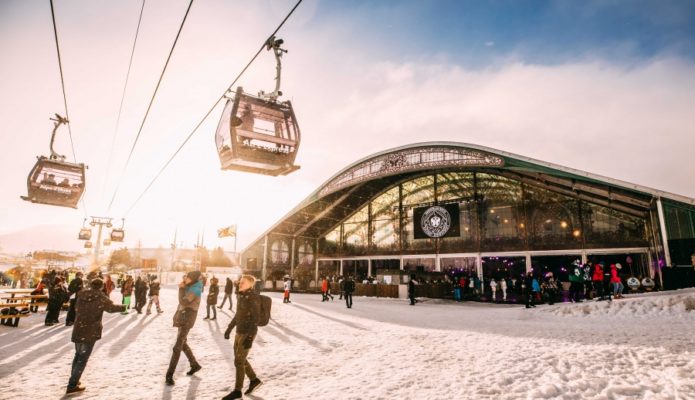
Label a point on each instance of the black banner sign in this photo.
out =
(436, 221)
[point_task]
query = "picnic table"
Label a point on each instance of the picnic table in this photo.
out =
(18, 303)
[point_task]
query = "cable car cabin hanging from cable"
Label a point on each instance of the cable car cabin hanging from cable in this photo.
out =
(87, 245)
(117, 235)
(85, 233)
(259, 134)
(53, 180)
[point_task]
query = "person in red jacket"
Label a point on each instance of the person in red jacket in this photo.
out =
(108, 285)
(616, 282)
(597, 280)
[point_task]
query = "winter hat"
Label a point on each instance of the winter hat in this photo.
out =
(96, 284)
(618, 266)
(193, 275)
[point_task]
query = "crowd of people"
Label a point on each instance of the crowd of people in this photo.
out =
(88, 297)
(586, 282)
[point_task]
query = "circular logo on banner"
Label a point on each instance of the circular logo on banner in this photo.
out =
(435, 222)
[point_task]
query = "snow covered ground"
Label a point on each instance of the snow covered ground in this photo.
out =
(639, 347)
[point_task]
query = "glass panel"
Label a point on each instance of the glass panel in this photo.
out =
(385, 234)
(553, 220)
(604, 227)
(385, 206)
(355, 238)
(468, 241)
(356, 268)
(362, 215)
(455, 186)
(501, 213)
(419, 264)
(305, 253)
(418, 191)
(279, 252)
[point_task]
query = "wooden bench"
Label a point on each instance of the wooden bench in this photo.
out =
(16, 308)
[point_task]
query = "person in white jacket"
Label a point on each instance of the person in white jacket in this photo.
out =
(503, 289)
(493, 287)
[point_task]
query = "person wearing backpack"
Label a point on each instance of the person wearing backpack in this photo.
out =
(246, 320)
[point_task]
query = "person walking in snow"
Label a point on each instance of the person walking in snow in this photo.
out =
(212, 299)
(597, 281)
(75, 286)
(248, 312)
(140, 294)
(349, 288)
(89, 309)
(532, 288)
(228, 290)
(325, 289)
(127, 292)
(154, 295)
(411, 290)
(190, 290)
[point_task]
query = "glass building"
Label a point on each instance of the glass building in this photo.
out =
(501, 214)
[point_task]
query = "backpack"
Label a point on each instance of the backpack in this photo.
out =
(266, 304)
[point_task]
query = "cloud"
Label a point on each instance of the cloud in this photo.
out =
(628, 122)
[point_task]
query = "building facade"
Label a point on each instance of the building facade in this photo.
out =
(451, 208)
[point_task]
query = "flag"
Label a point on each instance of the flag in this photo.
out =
(228, 231)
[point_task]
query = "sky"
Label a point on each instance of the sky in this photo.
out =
(602, 86)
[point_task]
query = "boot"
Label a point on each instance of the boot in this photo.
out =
(170, 380)
(194, 368)
(235, 394)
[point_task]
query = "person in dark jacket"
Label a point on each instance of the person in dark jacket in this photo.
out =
(228, 290)
(190, 290)
(348, 289)
(212, 299)
(140, 294)
(57, 295)
(75, 286)
(245, 320)
(532, 287)
(90, 306)
(154, 296)
(411, 290)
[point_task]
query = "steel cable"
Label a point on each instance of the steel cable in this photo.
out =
(125, 86)
(137, 137)
(65, 99)
(212, 108)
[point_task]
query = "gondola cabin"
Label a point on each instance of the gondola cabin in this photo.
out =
(55, 182)
(107, 242)
(258, 136)
(85, 234)
(117, 235)
(87, 245)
